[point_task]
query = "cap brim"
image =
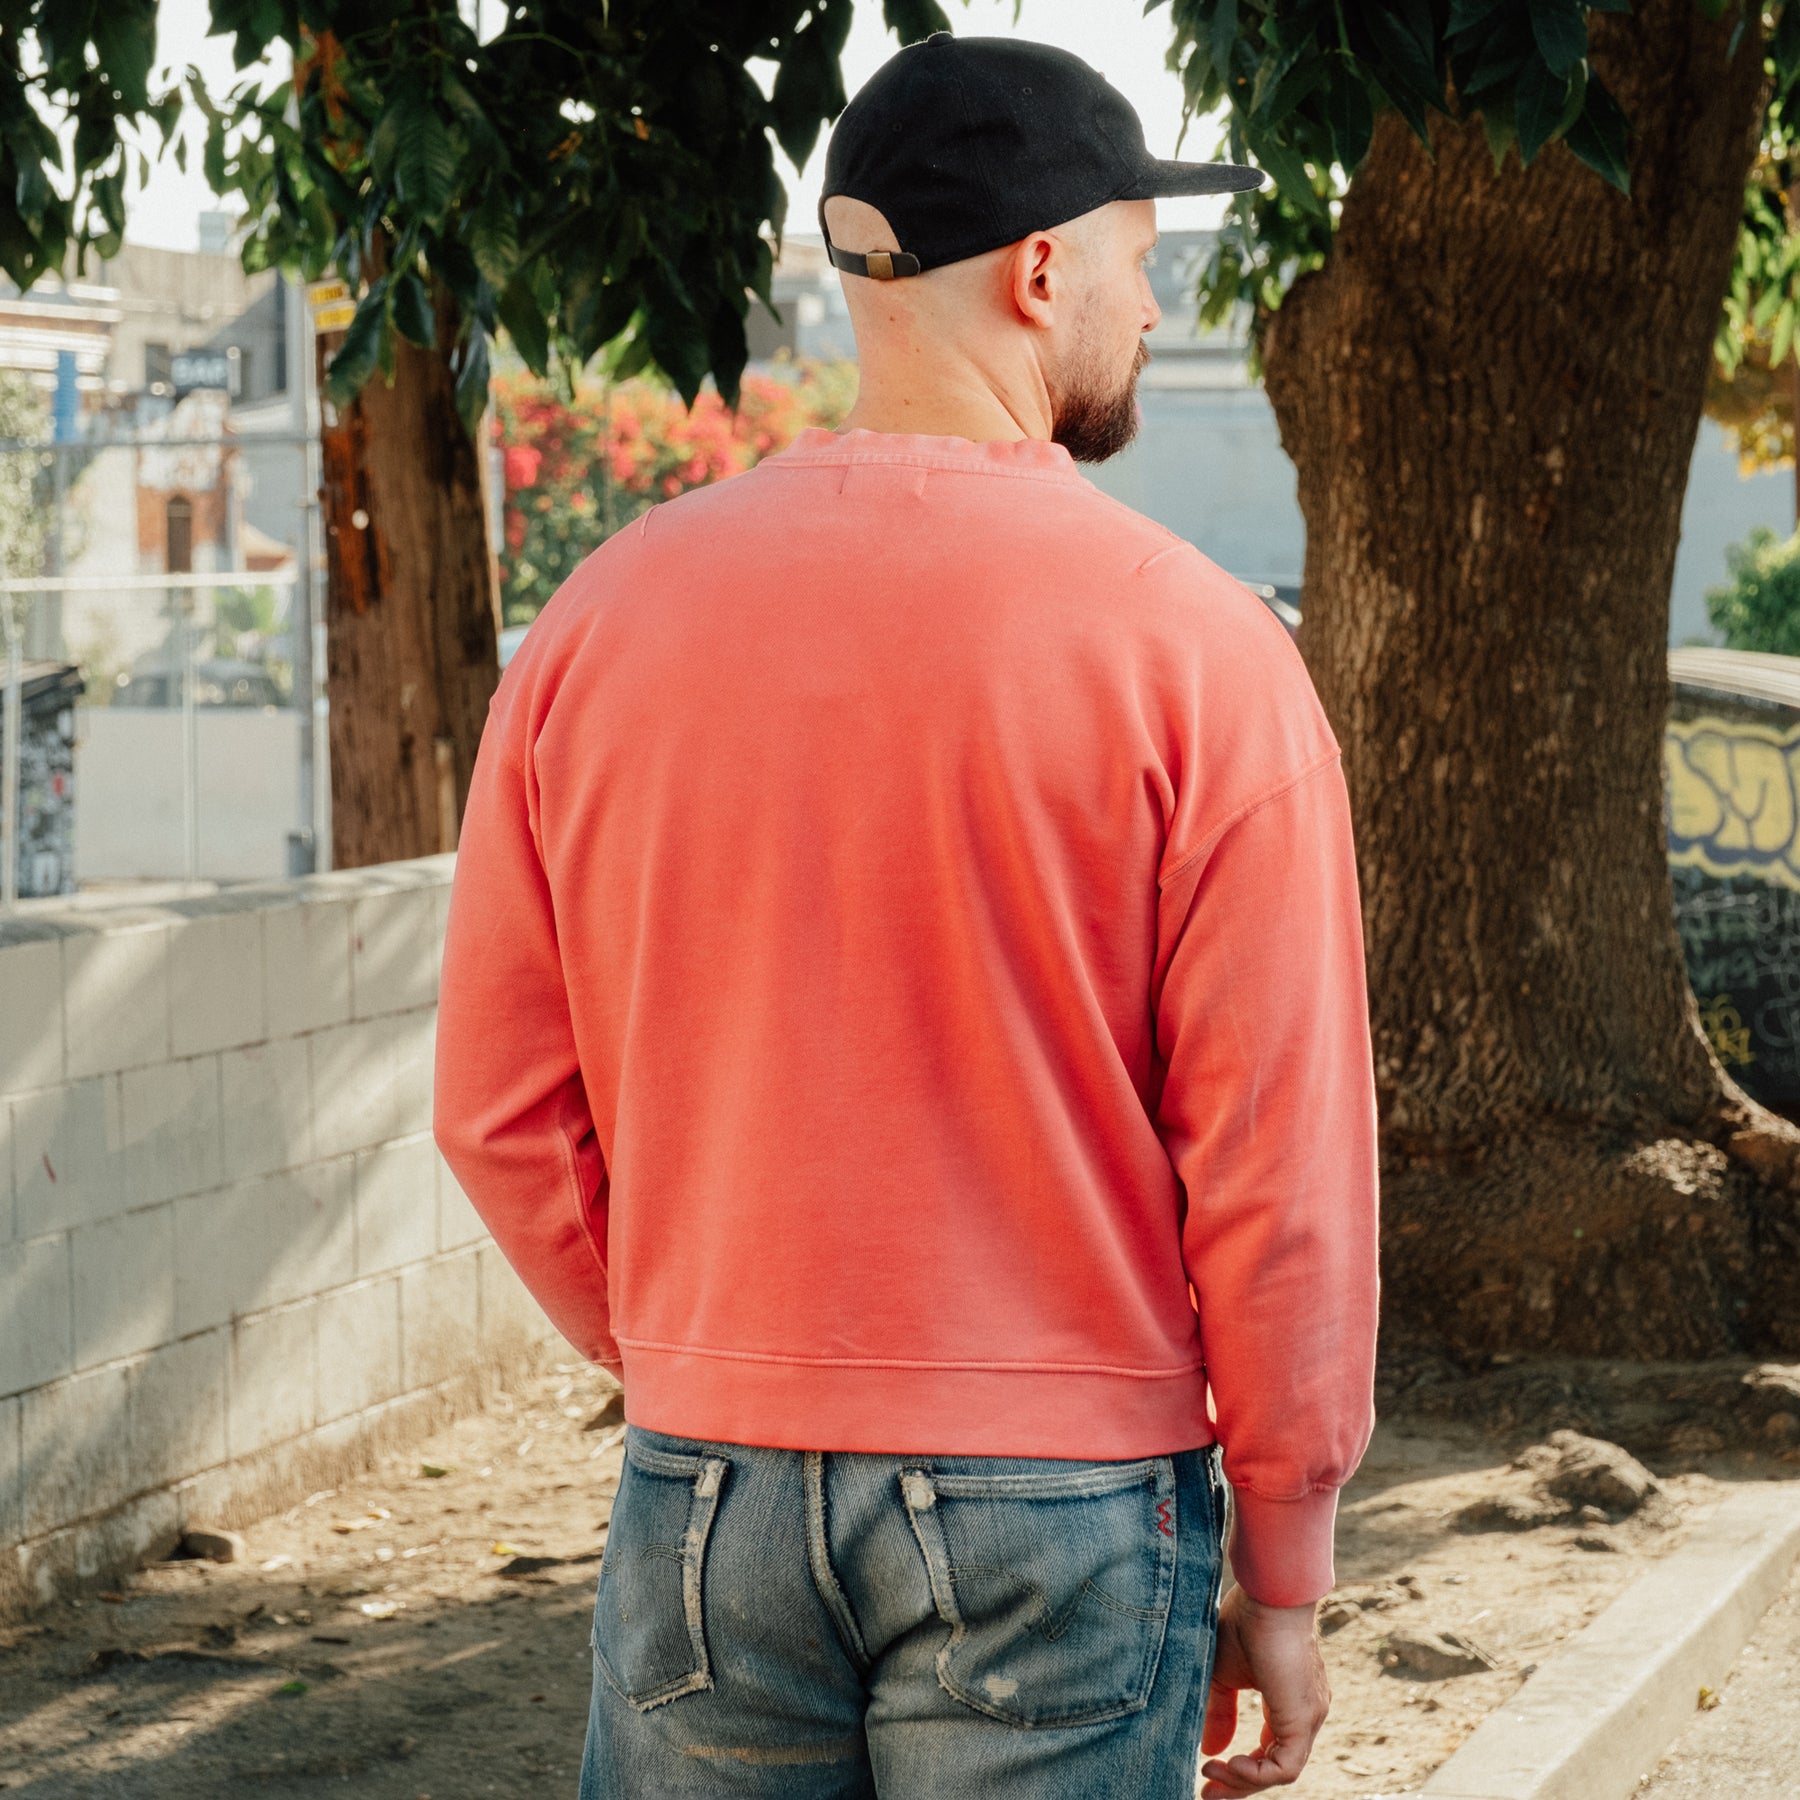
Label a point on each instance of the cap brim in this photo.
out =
(1160, 179)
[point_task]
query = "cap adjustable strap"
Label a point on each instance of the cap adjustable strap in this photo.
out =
(878, 265)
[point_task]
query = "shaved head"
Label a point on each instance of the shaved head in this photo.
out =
(1042, 338)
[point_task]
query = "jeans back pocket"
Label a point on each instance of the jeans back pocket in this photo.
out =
(649, 1626)
(1055, 1582)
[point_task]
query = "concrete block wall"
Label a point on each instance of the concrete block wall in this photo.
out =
(232, 1263)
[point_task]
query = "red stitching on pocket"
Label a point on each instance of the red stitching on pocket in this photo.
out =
(1162, 1519)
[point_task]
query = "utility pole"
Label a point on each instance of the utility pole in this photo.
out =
(303, 845)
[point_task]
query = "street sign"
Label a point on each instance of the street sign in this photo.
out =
(332, 305)
(191, 369)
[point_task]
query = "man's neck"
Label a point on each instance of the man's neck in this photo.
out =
(958, 401)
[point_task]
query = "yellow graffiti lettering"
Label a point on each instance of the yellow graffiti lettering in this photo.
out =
(1695, 809)
(1725, 1028)
(1751, 779)
(1731, 792)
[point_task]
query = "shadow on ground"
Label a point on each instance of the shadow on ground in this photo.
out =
(482, 1698)
(423, 1632)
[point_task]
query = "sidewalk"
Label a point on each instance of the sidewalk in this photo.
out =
(1748, 1745)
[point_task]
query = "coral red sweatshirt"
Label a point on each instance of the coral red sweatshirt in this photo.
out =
(904, 985)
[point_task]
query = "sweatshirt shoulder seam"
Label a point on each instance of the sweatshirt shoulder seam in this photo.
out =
(1174, 545)
(1243, 812)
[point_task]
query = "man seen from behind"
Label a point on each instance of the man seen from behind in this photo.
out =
(903, 1015)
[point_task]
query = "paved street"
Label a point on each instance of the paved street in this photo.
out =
(1747, 1747)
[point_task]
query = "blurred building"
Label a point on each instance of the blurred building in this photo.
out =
(169, 301)
(811, 318)
(271, 406)
(179, 449)
(59, 331)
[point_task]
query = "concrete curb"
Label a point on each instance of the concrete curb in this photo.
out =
(1596, 1717)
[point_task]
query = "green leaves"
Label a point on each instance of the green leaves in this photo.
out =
(413, 152)
(1286, 166)
(810, 86)
(526, 325)
(1759, 608)
(1600, 136)
(413, 317)
(1537, 105)
(492, 234)
(912, 21)
(255, 24)
(1465, 14)
(87, 62)
(472, 381)
(593, 180)
(125, 43)
(1560, 32)
(1784, 50)
(1524, 68)
(360, 353)
(1223, 35)
(1762, 305)
(1349, 115)
(1300, 84)
(1408, 69)
(1781, 338)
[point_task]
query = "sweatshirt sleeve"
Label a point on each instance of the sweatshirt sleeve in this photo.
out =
(510, 1112)
(1268, 1113)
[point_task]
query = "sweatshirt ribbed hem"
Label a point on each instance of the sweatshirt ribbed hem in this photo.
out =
(920, 1410)
(1281, 1549)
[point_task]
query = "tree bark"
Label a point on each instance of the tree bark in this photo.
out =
(412, 609)
(1491, 393)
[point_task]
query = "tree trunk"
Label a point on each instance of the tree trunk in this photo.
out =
(1491, 393)
(411, 611)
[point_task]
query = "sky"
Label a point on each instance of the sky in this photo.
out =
(1111, 34)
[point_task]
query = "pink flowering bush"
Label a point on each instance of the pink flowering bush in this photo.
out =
(576, 471)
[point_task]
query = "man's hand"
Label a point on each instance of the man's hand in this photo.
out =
(1274, 1649)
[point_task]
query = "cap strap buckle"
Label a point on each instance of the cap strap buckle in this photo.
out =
(877, 265)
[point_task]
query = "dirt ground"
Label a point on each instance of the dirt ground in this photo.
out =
(1515, 1595)
(422, 1633)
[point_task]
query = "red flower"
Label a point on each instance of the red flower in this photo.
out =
(653, 448)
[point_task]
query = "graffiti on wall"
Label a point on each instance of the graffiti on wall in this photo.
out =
(1732, 809)
(1733, 797)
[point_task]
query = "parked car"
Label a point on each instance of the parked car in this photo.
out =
(510, 640)
(218, 681)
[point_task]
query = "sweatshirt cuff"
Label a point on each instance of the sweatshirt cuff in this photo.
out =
(1281, 1549)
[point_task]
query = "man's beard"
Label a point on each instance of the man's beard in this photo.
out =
(1093, 421)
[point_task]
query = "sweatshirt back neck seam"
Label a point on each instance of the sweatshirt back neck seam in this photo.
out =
(939, 464)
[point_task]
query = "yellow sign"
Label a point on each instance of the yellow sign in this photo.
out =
(1733, 798)
(333, 318)
(326, 293)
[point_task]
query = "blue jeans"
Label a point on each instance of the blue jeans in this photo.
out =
(840, 1627)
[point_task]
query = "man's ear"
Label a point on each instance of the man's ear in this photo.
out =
(1034, 277)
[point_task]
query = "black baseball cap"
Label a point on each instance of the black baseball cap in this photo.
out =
(966, 144)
